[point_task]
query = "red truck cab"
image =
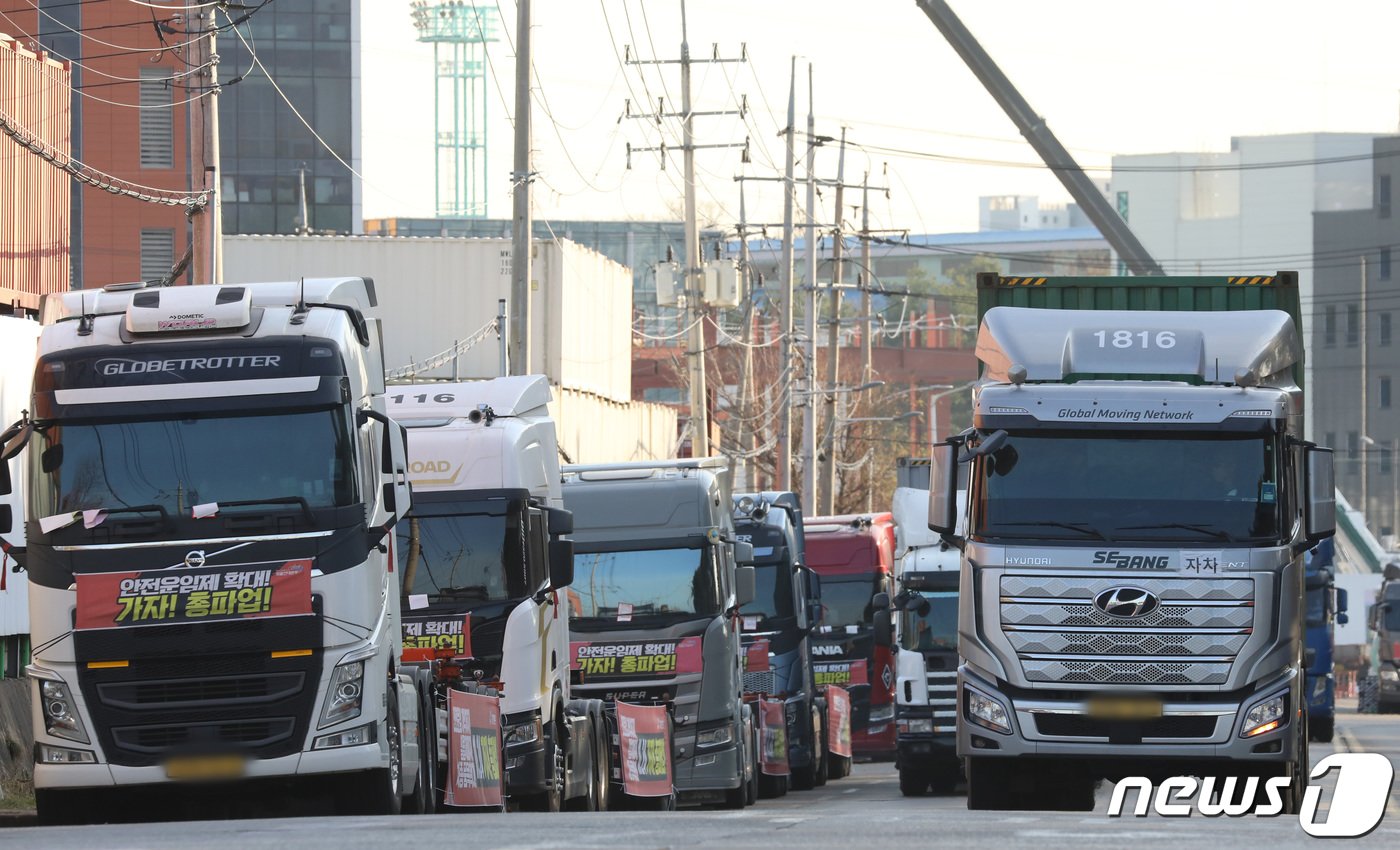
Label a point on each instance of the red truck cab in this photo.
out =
(853, 554)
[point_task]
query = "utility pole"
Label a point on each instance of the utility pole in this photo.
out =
(694, 313)
(785, 376)
(827, 500)
(204, 154)
(305, 227)
(522, 226)
(809, 321)
(867, 279)
(694, 285)
(746, 407)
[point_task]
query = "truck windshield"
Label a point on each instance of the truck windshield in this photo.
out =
(773, 596)
(178, 463)
(846, 599)
(641, 586)
(935, 631)
(466, 557)
(1122, 487)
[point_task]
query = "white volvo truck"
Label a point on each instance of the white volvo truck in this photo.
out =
(213, 490)
(484, 543)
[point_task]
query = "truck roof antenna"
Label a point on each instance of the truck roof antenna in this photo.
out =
(85, 321)
(300, 310)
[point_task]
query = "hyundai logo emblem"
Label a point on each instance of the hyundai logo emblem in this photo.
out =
(195, 558)
(1127, 602)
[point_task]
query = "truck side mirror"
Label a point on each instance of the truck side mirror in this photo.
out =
(880, 600)
(561, 564)
(1342, 618)
(1341, 601)
(1320, 505)
(943, 488)
(6, 486)
(745, 585)
(560, 521)
(7, 521)
(884, 632)
(743, 554)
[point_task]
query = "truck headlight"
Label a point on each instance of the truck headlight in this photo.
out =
(358, 736)
(524, 733)
(881, 714)
(714, 737)
(915, 726)
(345, 694)
(49, 754)
(1390, 675)
(1265, 716)
(1319, 687)
(60, 711)
(987, 712)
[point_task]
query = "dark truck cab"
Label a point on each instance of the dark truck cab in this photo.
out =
(783, 614)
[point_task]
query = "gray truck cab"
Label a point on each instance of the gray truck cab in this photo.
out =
(657, 585)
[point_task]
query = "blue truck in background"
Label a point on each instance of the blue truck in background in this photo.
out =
(1326, 606)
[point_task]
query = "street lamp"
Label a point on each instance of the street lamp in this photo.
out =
(903, 417)
(948, 389)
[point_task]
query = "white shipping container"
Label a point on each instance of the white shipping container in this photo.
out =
(435, 292)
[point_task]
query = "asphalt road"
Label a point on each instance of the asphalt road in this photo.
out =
(856, 812)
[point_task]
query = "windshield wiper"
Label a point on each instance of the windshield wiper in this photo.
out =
(1080, 527)
(1217, 533)
(280, 500)
(470, 591)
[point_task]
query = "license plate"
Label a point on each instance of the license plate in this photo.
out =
(205, 767)
(1125, 708)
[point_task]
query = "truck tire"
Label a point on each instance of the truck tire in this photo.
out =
(738, 798)
(424, 800)
(377, 791)
(602, 762)
(772, 787)
(989, 785)
(1323, 729)
(552, 799)
(913, 781)
(837, 767)
(945, 777)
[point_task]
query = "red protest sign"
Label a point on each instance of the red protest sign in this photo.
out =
(644, 738)
(838, 721)
(193, 594)
(446, 636)
(595, 660)
(756, 657)
(773, 728)
(473, 750)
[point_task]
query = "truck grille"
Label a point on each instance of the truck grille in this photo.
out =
(218, 737)
(1079, 726)
(762, 682)
(1061, 637)
(943, 694)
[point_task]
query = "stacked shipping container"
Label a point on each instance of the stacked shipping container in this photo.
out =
(35, 97)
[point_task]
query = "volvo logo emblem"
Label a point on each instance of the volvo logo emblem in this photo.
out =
(195, 558)
(1127, 602)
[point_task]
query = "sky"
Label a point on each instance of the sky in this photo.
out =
(1109, 76)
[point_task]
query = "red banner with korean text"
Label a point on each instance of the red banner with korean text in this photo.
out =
(838, 721)
(474, 776)
(596, 660)
(193, 594)
(444, 636)
(644, 738)
(841, 673)
(756, 657)
(773, 732)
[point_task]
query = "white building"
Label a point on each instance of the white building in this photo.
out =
(437, 294)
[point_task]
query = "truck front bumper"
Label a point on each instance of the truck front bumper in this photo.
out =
(1198, 730)
(339, 760)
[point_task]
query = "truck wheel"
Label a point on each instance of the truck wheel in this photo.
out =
(989, 785)
(837, 766)
(1323, 729)
(377, 791)
(913, 782)
(945, 777)
(738, 798)
(602, 763)
(552, 800)
(425, 797)
(771, 787)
